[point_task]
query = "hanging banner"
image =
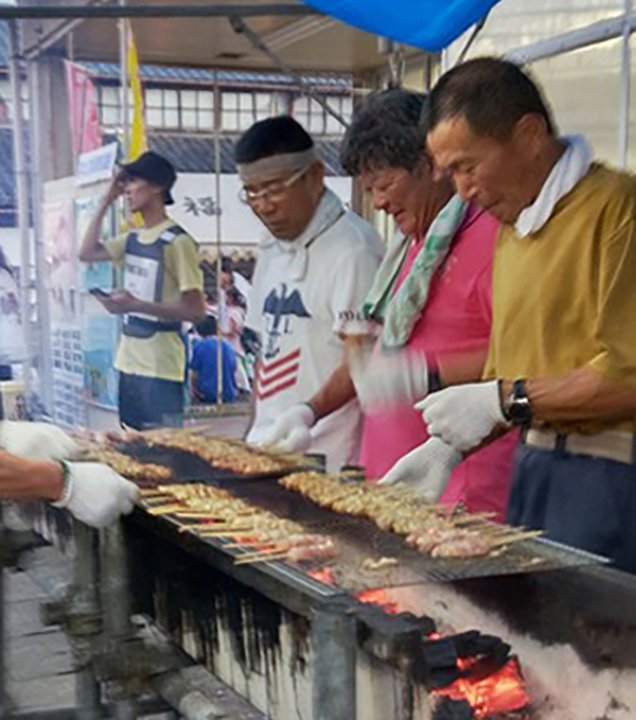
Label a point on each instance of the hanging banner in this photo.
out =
(84, 115)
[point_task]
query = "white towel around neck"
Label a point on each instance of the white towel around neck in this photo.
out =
(571, 167)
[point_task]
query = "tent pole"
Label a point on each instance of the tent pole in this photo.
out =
(625, 88)
(22, 193)
(123, 81)
(219, 289)
(242, 28)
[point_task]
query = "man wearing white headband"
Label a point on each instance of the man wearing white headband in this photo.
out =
(314, 271)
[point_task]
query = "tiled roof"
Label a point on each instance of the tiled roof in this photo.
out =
(191, 154)
(187, 153)
(158, 73)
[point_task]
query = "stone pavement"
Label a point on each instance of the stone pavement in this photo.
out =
(39, 663)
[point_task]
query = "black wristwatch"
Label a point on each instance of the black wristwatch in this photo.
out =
(517, 408)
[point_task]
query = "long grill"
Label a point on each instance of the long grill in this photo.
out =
(358, 539)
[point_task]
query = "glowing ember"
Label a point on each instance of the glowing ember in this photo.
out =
(500, 692)
(325, 576)
(379, 598)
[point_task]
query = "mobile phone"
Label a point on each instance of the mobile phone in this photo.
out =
(98, 292)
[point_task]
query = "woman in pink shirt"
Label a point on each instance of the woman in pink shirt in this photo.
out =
(384, 147)
(431, 302)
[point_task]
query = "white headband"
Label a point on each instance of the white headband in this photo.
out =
(269, 167)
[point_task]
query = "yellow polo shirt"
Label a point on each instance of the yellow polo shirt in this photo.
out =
(565, 296)
(163, 355)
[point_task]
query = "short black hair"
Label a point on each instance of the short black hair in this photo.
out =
(273, 136)
(207, 327)
(227, 264)
(492, 95)
(386, 131)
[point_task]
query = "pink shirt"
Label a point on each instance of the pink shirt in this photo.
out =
(456, 319)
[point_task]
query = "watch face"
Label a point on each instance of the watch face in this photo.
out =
(520, 412)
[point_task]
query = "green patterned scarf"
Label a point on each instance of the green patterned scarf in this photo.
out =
(400, 311)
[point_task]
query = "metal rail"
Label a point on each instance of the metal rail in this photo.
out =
(91, 12)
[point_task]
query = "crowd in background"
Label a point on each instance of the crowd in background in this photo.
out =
(225, 320)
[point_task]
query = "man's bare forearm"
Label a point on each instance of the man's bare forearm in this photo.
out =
(92, 249)
(582, 394)
(335, 393)
(458, 368)
(187, 310)
(22, 479)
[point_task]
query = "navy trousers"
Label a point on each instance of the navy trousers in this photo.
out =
(586, 502)
(146, 403)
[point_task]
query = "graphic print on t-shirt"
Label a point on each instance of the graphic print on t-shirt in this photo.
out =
(279, 311)
(276, 376)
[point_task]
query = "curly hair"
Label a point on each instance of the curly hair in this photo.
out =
(386, 131)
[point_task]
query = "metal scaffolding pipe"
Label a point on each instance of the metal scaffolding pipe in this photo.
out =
(573, 40)
(190, 702)
(88, 12)
(37, 164)
(4, 699)
(116, 600)
(86, 606)
(22, 192)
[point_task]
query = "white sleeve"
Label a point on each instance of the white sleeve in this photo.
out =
(351, 283)
(254, 317)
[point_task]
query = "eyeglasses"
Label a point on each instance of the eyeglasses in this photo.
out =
(272, 193)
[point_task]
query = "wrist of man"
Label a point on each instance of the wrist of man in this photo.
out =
(54, 483)
(514, 402)
(435, 383)
(312, 406)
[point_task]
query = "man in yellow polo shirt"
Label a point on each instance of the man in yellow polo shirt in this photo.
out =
(162, 288)
(562, 360)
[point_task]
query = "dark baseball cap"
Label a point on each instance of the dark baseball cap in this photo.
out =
(154, 169)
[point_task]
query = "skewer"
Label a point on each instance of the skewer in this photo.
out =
(164, 510)
(221, 534)
(515, 538)
(266, 558)
(260, 553)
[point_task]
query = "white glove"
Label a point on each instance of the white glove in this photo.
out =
(463, 415)
(291, 431)
(427, 469)
(385, 380)
(36, 441)
(97, 495)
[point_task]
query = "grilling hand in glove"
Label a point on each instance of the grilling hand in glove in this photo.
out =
(463, 415)
(36, 441)
(95, 494)
(385, 380)
(427, 469)
(291, 431)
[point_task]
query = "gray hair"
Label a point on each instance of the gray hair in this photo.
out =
(388, 130)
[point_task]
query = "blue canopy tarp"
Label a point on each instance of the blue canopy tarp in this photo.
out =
(427, 24)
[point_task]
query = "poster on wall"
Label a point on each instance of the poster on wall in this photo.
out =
(69, 408)
(94, 275)
(99, 344)
(60, 257)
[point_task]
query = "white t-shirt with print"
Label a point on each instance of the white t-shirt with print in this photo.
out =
(306, 295)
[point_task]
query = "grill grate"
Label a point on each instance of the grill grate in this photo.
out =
(359, 540)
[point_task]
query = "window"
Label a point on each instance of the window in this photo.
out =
(166, 108)
(109, 104)
(316, 120)
(239, 110)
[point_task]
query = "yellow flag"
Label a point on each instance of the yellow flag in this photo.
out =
(138, 139)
